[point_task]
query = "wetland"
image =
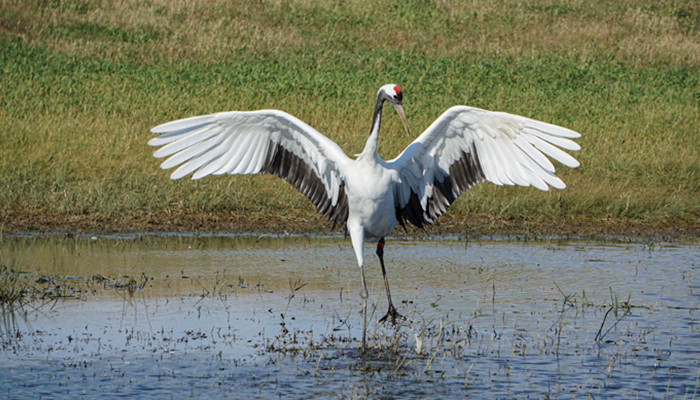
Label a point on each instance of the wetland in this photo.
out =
(246, 316)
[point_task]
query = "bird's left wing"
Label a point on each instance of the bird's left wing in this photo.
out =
(466, 146)
(264, 141)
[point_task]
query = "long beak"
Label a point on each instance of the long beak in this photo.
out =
(399, 110)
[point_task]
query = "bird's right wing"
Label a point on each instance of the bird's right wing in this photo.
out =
(265, 141)
(468, 145)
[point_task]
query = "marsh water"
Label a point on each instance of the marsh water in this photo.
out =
(188, 316)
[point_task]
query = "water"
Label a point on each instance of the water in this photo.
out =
(278, 317)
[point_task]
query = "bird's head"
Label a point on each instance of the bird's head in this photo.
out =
(392, 93)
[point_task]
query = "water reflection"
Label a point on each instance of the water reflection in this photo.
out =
(155, 316)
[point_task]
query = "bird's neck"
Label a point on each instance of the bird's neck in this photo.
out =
(370, 151)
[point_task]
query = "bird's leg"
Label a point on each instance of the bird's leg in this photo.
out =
(392, 313)
(364, 295)
(357, 235)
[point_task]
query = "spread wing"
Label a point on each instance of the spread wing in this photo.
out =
(466, 146)
(265, 141)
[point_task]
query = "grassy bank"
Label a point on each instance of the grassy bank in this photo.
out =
(83, 81)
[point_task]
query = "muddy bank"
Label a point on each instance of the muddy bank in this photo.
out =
(475, 226)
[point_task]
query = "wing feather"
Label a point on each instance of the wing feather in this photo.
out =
(229, 160)
(192, 152)
(551, 129)
(195, 163)
(534, 155)
(231, 156)
(466, 146)
(264, 141)
(186, 140)
(553, 152)
(245, 164)
(176, 129)
(555, 140)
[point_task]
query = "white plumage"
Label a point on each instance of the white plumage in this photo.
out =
(461, 148)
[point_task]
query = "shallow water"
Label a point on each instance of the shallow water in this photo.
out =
(261, 317)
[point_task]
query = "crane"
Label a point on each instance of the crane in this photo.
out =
(461, 148)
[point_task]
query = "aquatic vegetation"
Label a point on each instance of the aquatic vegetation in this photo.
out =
(12, 290)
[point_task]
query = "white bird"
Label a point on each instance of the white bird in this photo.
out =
(461, 148)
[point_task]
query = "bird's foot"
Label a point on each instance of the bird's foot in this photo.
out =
(392, 315)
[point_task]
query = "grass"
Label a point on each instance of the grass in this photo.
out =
(12, 291)
(21, 292)
(84, 81)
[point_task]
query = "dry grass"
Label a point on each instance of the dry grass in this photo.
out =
(630, 31)
(83, 81)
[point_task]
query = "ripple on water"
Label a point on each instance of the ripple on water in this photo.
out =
(226, 316)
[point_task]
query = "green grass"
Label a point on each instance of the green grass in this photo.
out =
(83, 81)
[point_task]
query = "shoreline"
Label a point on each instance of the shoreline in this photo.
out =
(300, 224)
